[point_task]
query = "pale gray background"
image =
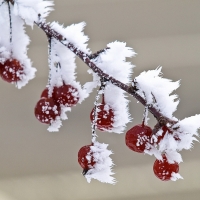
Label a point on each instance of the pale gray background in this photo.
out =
(38, 165)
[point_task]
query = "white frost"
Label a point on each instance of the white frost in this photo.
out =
(157, 91)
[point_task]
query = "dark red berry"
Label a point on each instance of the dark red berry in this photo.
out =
(11, 70)
(105, 117)
(163, 169)
(45, 93)
(85, 158)
(138, 137)
(66, 95)
(46, 110)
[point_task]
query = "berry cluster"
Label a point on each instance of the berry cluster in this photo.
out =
(11, 70)
(140, 138)
(48, 108)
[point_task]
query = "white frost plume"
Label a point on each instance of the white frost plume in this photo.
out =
(187, 131)
(113, 62)
(30, 9)
(157, 91)
(74, 34)
(14, 46)
(102, 170)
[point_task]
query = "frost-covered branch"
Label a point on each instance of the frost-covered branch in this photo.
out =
(132, 90)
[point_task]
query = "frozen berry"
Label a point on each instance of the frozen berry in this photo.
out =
(85, 158)
(11, 70)
(138, 137)
(66, 95)
(46, 110)
(163, 169)
(105, 117)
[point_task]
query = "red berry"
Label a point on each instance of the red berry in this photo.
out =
(85, 158)
(46, 110)
(138, 137)
(105, 117)
(66, 95)
(163, 170)
(11, 70)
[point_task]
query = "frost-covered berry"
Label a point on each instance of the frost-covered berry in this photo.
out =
(11, 70)
(105, 117)
(138, 137)
(46, 110)
(164, 170)
(45, 93)
(85, 158)
(66, 95)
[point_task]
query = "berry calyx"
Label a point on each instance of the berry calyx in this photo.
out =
(85, 158)
(46, 110)
(105, 116)
(164, 170)
(66, 95)
(11, 70)
(138, 137)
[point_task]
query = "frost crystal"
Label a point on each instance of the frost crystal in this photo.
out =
(157, 91)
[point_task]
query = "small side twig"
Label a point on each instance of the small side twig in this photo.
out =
(95, 55)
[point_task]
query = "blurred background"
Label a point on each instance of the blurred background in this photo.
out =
(38, 165)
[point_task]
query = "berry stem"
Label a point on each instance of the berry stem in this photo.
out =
(145, 115)
(49, 56)
(94, 121)
(10, 21)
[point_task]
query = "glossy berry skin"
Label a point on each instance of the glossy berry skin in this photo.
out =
(83, 160)
(11, 70)
(138, 137)
(66, 95)
(105, 117)
(46, 110)
(163, 170)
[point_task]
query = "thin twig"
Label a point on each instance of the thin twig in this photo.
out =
(95, 55)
